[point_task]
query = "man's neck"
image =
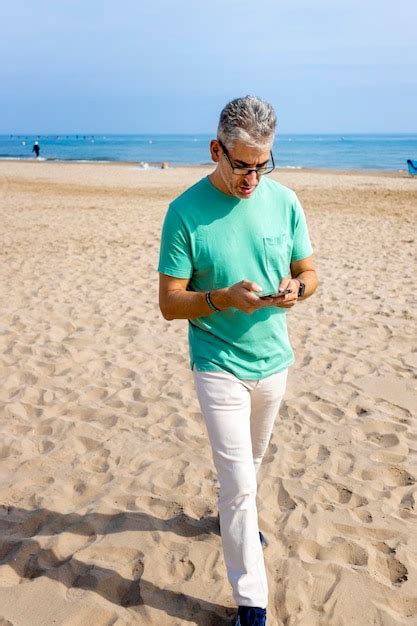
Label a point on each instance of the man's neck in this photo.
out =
(218, 182)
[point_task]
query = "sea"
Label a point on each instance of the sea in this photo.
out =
(336, 151)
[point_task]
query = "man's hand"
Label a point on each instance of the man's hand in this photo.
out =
(243, 296)
(302, 270)
(287, 301)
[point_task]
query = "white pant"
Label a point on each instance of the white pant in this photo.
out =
(239, 416)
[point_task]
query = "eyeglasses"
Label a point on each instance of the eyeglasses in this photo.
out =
(245, 171)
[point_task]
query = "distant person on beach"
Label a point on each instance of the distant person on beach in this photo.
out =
(235, 258)
(36, 148)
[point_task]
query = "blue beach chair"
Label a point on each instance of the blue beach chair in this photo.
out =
(412, 167)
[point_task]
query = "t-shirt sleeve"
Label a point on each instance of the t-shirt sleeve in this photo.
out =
(175, 257)
(302, 247)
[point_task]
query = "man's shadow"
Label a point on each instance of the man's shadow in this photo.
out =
(20, 551)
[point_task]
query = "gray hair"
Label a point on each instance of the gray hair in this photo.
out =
(247, 119)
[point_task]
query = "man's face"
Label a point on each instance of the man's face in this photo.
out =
(240, 156)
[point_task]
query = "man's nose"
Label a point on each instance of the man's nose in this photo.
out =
(251, 178)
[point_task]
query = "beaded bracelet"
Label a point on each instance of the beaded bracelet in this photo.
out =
(210, 303)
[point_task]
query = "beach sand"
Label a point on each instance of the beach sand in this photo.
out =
(107, 486)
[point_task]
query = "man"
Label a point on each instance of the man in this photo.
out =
(36, 149)
(227, 243)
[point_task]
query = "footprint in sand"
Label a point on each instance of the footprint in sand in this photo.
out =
(71, 541)
(73, 594)
(339, 551)
(44, 427)
(45, 446)
(317, 453)
(95, 394)
(98, 463)
(363, 515)
(180, 568)
(166, 481)
(391, 476)
(10, 447)
(334, 492)
(132, 596)
(388, 565)
(342, 463)
(212, 560)
(285, 502)
(163, 509)
(387, 440)
(271, 454)
(387, 456)
(343, 551)
(408, 501)
(124, 373)
(107, 582)
(398, 573)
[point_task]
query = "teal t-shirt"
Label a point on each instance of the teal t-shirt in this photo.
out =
(217, 240)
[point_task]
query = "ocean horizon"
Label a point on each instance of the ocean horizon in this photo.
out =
(328, 151)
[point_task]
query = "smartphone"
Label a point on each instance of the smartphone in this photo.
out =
(274, 294)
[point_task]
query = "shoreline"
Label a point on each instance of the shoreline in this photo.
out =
(158, 165)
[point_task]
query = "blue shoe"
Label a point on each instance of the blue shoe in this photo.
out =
(250, 616)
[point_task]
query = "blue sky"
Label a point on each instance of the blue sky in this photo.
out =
(170, 66)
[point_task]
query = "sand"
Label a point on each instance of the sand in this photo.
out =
(107, 487)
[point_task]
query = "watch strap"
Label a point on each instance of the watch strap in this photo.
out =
(301, 288)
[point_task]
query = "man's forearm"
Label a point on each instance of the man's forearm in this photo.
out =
(188, 305)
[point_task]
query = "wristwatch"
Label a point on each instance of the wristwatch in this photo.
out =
(301, 288)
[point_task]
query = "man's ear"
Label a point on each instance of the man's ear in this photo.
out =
(215, 150)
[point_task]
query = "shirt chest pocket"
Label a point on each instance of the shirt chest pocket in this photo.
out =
(276, 253)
